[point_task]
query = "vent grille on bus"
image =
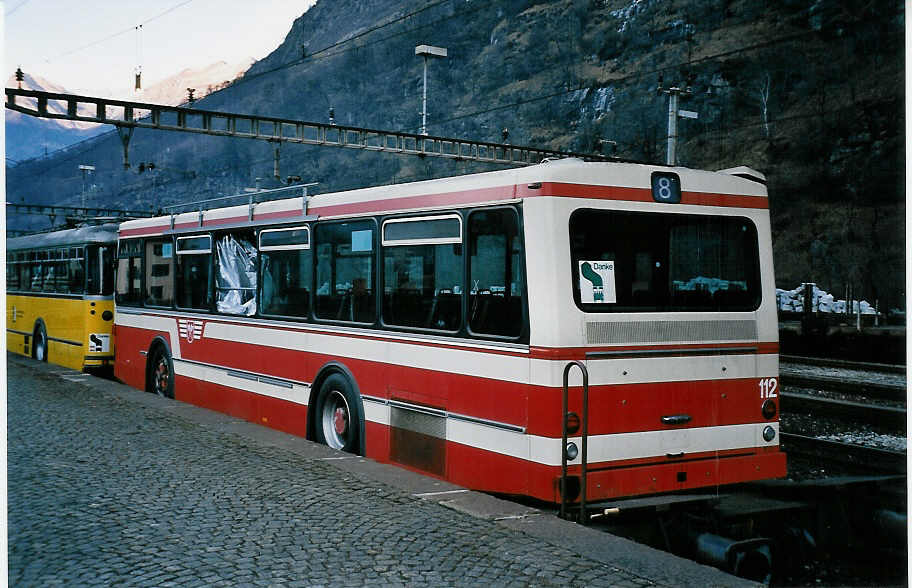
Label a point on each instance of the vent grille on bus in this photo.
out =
(604, 333)
(418, 439)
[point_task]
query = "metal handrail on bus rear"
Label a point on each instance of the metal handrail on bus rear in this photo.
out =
(565, 415)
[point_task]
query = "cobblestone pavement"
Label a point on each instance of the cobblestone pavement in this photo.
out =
(103, 491)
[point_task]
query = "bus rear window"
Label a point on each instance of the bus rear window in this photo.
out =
(649, 262)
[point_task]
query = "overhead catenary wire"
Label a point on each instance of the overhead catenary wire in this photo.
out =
(14, 9)
(118, 33)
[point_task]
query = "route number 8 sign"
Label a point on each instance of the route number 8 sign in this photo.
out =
(666, 187)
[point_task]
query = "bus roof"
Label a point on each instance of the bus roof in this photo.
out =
(564, 177)
(103, 233)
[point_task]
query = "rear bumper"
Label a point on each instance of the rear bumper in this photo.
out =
(605, 482)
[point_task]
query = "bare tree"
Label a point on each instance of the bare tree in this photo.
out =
(764, 91)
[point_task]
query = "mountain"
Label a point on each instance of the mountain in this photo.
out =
(810, 92)
(29, 137)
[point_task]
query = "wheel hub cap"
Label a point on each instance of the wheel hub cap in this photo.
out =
(340, 421)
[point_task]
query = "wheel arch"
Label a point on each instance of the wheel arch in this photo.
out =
(39, 323)
(328, 369)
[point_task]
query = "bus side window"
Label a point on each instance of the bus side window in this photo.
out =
(53, 280)
(496, 283)
(236, 274)
(345, 271)
(76, 270)
(194, 260)
(107, 276)
(12, 271)
(25, 271)
(128, 290)
(36, 276)
(287, 272)
(423, 272)
(93, 270)
(159, 290)
(38, 270)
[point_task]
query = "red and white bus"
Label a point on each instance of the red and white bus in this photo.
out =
(429, 324)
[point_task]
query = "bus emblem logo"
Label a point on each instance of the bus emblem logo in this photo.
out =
(190, 330)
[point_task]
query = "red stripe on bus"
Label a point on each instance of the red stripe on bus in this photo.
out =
(615, 408)
(559, 189)
(276, 413)
(552, 189)
(153, 230)
(417, 201)
(637, 408)
(492, 472)
(686, 475)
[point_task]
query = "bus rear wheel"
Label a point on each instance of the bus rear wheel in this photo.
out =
(338, 422)
(40, 344)
(161, 373)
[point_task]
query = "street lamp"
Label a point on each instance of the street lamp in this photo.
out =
(427, 51)
(84, 169)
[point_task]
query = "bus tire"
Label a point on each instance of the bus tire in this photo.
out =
(161, 372)
(337, 416)
(40, 343)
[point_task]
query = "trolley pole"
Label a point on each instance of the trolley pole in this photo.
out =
(427, 51)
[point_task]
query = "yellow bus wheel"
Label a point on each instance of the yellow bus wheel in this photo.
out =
(40, 344)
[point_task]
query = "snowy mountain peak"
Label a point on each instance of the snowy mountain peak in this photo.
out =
(28, 136)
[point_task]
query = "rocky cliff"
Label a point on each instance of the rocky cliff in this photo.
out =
(808, 91)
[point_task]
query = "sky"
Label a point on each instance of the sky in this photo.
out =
(92, 46)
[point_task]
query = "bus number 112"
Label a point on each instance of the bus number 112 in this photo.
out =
(768, 387)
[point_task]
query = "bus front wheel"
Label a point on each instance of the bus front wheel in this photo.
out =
(161, 373)
(40, 344)
(338, 422)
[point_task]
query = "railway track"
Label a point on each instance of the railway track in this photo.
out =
(840, 363)
(858, 387)
(856, 412)
(873, 380)
(870, 458)
(844, 414)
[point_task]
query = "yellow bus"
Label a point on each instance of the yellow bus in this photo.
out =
(59, 296)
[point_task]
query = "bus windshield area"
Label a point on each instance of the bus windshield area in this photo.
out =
(650, 262)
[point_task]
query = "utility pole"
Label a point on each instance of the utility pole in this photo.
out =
(275, 161)
(427, 51)
(85, 169)
(674, 93)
